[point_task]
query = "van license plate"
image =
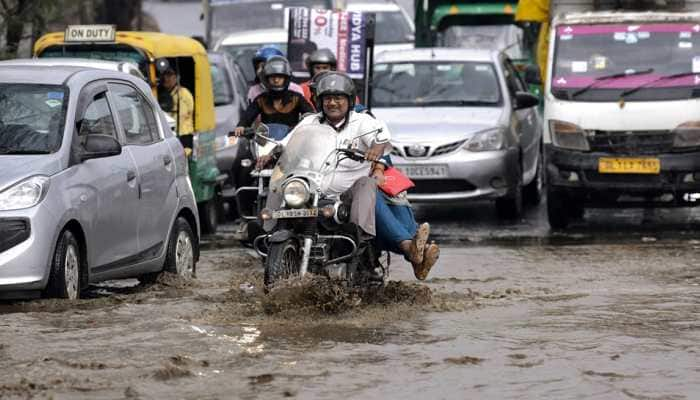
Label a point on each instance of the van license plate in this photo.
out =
(608, 165)
(296, 213)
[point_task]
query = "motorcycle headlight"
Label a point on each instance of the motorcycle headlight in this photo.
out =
(24, 194)
(568, 136)
(296, 193)
(488, 140)
(687, 134)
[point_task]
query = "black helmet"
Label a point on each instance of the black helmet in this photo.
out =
(335, 83)
(277, 65)
(320, 56)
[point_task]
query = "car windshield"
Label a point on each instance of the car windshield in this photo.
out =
(392, 27)
(229, 16)
(223, 93)
(243, 55)
(500, 37)
(585, 53)
(435, 83)
(109, 52)
(31, 118)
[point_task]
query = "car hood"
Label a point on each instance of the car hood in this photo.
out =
(17, 168)
(437, 124)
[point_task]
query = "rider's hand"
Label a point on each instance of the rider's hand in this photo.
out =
(378, 175)
(232, 140)
(262, 162)
(238, 132)
(375, 152)
(188, 152)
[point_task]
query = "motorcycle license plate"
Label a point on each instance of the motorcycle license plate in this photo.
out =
(297, 213)
(629, 165)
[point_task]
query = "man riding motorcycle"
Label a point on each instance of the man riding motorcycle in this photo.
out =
(259, 60)
(395, 228)
(277, 105)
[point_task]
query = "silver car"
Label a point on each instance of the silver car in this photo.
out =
(94, 184)
(463, 126)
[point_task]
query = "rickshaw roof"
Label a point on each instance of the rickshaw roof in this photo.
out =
(156, 44)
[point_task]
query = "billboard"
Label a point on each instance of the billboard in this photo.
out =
(343, 32)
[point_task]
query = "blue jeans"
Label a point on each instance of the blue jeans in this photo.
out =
(394, 224)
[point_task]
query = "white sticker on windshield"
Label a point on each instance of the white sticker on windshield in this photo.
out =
(685, 45)
(685, 35)
(53, 103)
(482, 68)
(643, 35)
(633, 28)
(381, 67)
(579, 66)
(620, 36)
(696, 64)
(631, 38)
(444, 68)
(566, 37)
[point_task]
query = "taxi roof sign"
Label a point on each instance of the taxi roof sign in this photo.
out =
(90, 33)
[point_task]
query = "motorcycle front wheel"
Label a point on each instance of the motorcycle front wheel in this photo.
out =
(283, 262)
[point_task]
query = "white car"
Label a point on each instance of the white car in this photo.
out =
(394, 29)
(243, 45)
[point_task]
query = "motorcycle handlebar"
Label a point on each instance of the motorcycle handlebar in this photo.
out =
(355, 155)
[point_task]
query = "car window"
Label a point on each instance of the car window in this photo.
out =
(135, 114)
(97, 118)
(223, 94)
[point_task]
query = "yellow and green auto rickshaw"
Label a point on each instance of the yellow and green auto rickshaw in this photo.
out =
(154, 53)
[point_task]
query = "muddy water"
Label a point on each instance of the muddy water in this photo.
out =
(600, 321)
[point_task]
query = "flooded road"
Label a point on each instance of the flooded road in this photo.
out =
(511, 311)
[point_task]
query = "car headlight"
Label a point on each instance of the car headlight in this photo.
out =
(687, 134)
(568, 136)
(24, 194)
(488, 140)
(296, 193)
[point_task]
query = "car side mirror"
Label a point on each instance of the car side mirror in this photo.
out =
(532, 75)
(100, 146)
(525, 100)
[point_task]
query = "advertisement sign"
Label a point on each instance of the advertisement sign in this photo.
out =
(343, 32)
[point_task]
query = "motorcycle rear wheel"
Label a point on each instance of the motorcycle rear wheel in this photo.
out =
(283, 261)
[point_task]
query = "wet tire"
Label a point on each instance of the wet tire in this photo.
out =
(533, 191)
(209, 216)
(182, 249)
(66, 269)
(511, 205)
(557, 213)
(283, 261)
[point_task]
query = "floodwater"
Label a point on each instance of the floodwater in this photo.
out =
(499, 319)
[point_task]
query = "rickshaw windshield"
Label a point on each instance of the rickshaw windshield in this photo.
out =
(310, 150)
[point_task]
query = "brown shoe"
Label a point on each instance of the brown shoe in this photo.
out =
(430, 257)
(417, 248)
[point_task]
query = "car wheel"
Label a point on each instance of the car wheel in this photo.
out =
(66, 268)
(557, 212)
(182, 249)
(208, 216)
(532, 193)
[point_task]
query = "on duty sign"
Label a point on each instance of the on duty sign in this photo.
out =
(90, 33)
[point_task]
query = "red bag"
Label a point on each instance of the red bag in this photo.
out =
(395, 182)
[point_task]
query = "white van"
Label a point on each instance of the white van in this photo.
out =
(622, 108)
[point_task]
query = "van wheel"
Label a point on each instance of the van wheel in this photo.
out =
(182, 249)
(511, 205)
(557, 214)
(208, 216)
(64, 278)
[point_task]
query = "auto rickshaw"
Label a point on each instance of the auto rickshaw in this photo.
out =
(154, 52)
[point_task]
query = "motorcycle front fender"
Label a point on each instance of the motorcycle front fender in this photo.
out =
(280, 236)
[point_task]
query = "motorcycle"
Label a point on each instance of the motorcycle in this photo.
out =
(311, 232)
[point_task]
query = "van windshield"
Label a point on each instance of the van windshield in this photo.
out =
(31, 118)
(607, 61)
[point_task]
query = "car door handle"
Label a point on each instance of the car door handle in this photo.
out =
(130, 175)
(167, 160)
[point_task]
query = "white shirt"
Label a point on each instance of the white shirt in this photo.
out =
(353, 135)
